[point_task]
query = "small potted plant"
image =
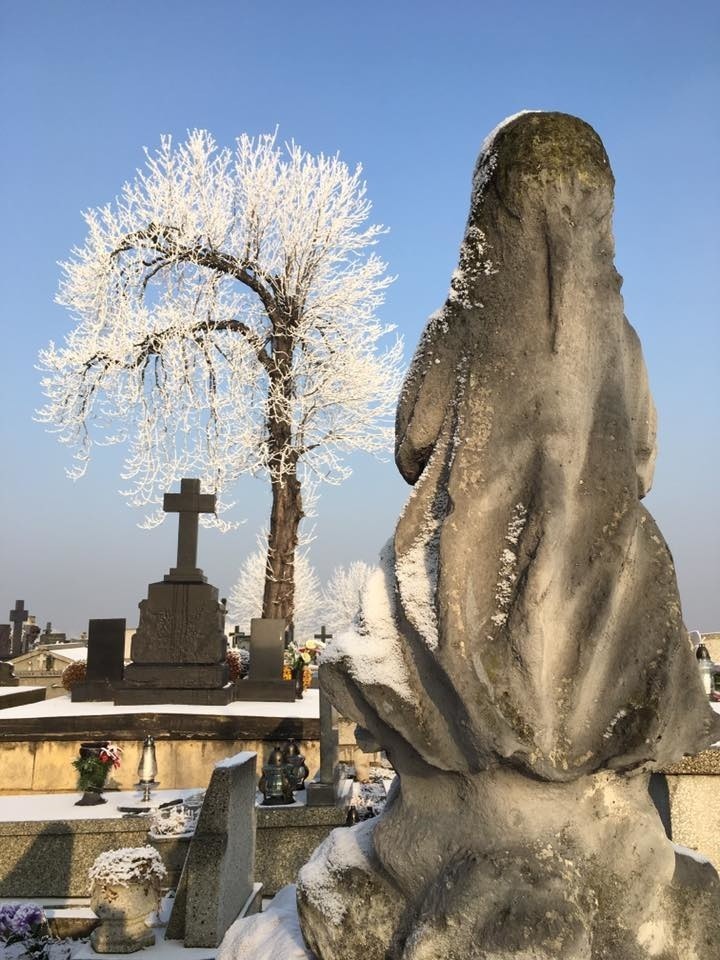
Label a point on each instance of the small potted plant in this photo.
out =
(125, 891)
(93, 765)
(297, 663)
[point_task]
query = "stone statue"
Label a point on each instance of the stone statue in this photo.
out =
(520, 652)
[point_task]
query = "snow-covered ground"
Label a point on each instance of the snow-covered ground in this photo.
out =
(273, 934)
(307, 708)
(61, 806)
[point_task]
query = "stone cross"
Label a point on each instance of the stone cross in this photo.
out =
(18, 616)
(323, 635)
(189, 503)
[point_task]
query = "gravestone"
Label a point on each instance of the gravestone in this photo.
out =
(105, 661)
(7, 675)
(18, 616)
(216, 885)
(50, 636)
(31, 635)
(322, 791)
(5, 642)
(239, 640)
(520, 651)
(267, 649)
(178, 651)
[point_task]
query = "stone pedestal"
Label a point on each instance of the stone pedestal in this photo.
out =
(178, 651)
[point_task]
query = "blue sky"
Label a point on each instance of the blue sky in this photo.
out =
(409, 89)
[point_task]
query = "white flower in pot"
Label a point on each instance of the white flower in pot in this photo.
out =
(125, 891)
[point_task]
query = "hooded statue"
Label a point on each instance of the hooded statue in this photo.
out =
(520, 651)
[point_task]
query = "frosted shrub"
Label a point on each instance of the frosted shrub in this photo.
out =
(128, 865)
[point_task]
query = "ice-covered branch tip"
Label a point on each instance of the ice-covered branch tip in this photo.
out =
(224, 292)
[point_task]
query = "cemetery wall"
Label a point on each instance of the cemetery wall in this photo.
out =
(45, 766)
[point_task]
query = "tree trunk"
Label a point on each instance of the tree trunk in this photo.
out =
(279, 596)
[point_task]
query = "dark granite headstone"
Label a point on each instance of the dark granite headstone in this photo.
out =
(5, 642)
(18, 616)
(265, 676)
(105, 661)
(178, 651)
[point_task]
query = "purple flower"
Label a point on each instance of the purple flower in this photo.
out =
(20, 919)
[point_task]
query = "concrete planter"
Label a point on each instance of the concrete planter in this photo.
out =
(123, 910)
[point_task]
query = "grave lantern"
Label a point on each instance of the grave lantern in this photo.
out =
(147, 768)
(274, 782)
(707, 667)
(295, 765)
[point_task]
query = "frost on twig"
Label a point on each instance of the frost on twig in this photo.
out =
(226, 322)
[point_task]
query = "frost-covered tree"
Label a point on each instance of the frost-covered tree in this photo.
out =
(226, 324)
(342, 593)
(246, 595)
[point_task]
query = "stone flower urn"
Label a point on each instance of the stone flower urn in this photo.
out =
(125, 892)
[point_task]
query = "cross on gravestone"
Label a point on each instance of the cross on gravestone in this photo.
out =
(323, 635)
(189, 503)
(18, 616)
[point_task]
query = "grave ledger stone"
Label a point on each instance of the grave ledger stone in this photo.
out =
(178, 651)
(105, 661)
(521, 653)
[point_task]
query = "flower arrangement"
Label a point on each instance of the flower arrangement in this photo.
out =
(302, 656)
(73, 673)
(128, 865)
(94, 764)
(298, 659)
(24, 933)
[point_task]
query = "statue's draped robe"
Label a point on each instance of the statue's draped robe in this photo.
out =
(536, 606)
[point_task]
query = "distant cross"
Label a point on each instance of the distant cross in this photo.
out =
(18, 616)
(189, 503)
(323, 635)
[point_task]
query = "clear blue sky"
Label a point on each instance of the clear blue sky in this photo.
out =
(410, 89)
